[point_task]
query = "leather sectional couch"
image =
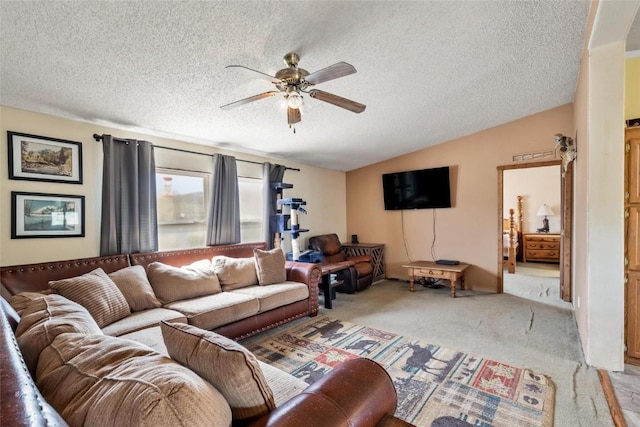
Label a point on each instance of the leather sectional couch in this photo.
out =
(245, 315)
(62, 338)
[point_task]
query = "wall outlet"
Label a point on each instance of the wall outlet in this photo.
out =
(578, 301)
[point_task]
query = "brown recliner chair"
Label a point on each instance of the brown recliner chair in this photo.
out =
(360, 274)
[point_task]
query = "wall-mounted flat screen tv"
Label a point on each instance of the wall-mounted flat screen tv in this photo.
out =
(418, 189)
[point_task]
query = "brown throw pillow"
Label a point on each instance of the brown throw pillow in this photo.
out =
(45, 318)
(98, 380)
(270, 266)
(20, 301)
(134, 285)
(179, 283)
(227, 365)
(235, 273)
(96, 292)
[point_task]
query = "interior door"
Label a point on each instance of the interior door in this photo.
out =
(566, 226)
(566, 223)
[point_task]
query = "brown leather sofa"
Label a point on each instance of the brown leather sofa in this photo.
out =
(360, 273)
(335, 400)
(36, 277)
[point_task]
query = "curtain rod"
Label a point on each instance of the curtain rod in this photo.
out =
(98, 138)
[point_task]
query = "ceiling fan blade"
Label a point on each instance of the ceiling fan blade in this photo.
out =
(334, 71)
(293, 115)
(339, 101)
(255, 74)
(250, 99)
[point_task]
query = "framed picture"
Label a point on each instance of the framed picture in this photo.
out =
(38, 158)
(46, 215)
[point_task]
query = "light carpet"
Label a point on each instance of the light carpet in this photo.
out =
(536, 282)
(432, 382)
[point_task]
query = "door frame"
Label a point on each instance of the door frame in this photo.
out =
(566, 206)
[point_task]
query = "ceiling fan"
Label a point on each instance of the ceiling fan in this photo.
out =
(292, 82)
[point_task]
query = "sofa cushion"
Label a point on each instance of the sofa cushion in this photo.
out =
(178, 283)
(20, 301)
(134, 285)
(216, 310)
(230, 367)
(98, 380)
(142, 320)
(283, 385)
(151, 337)
(235, 273)
(96, 292)
(272, 296)
(270, 266)
(44, 319)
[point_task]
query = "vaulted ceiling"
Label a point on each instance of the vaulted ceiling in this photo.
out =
(427, 71)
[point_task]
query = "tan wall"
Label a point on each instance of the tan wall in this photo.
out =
(580, 218)
(537, 186)
(604, 191)
(599, 183)
(324, 190)
(469, 230)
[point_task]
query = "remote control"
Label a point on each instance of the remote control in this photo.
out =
(447, 262)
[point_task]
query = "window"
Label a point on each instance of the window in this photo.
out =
(183, 200)
(250, 209)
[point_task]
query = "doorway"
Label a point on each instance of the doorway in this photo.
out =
(542, 258)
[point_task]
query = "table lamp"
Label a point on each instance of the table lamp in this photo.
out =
(544, 211)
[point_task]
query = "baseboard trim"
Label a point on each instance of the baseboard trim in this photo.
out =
(631, 360)
(612, 401)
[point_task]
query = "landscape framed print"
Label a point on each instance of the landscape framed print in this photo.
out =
(35, 215)
(39, 158)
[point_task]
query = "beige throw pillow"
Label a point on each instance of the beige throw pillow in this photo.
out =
(235, 273)
(227, 365)
(96, 292)
(45, 318)
(270, 266)
(95, 380)
(134, 285)
(179, 283)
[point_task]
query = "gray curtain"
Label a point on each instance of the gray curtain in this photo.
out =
(224, 210)
(270, 174)
(129, 217)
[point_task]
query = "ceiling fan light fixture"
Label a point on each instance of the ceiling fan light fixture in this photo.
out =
(293, 81)
(294, 100)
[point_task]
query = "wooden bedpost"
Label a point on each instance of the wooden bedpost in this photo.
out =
(511, 263)
(520, 214)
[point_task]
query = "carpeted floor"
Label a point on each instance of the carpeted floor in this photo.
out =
(434, 384)
(514, 330)
(536, 281)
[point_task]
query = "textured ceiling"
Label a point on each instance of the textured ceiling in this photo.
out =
(427, 71)
(633, 38)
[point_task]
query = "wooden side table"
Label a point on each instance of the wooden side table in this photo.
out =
(452, 273)
(376, 250)
(328, 288)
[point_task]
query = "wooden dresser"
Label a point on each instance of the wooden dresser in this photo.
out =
(543, 247)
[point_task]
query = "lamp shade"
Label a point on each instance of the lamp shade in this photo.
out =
(544, 211)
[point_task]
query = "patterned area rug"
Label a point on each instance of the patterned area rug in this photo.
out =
(436, 386)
